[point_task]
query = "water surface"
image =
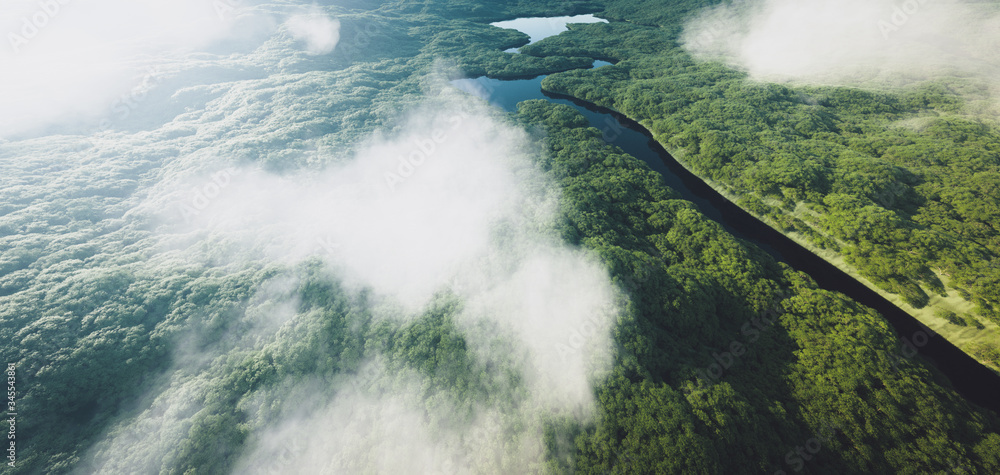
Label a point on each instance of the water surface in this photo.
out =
(544, 27)
(971, 379)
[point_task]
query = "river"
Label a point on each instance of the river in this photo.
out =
(975, 382)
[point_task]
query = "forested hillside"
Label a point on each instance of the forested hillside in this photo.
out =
(798, 364)
(155, 330)
(899, 184)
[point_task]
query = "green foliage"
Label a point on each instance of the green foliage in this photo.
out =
(951, 317)
(915, 185)
(987, 353)
(825, 368)
(99, 324)
(973, 321)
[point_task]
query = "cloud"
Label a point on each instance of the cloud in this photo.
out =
(401, 216)
(72, 62)
(444, 202)
(559, 305)
(850, 42)
(319, 32)
(389, 429)
(449, 203)
(147, 442)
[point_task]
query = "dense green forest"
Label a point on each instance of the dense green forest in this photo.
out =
(725, 360)
(901, 183)
(812, 364)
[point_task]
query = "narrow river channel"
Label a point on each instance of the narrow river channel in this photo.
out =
(972, 380)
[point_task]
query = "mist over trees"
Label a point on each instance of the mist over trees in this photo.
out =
(897, 179)
(218, 288)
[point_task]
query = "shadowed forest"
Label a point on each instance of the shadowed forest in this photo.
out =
(292, 259)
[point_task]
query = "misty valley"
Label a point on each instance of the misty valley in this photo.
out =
(623, 236)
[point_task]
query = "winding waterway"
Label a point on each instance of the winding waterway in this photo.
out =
(971, 379)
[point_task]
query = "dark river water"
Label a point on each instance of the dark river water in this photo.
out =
(972, 380)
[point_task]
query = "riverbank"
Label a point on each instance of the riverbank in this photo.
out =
(953, 352)
(965, 338)
(650, 90)
(970, 377)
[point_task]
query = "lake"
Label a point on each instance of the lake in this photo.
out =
(544, 27)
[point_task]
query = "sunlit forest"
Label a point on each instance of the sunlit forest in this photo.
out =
(281, 241)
